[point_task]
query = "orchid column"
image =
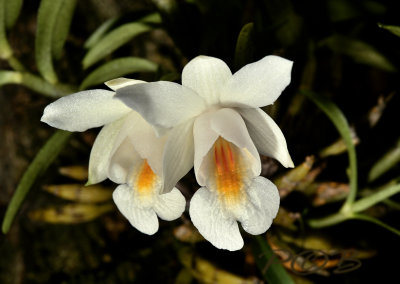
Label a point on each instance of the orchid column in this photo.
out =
(221, 113)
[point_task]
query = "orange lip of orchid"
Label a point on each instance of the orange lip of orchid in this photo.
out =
(228, 172)
(146, 179)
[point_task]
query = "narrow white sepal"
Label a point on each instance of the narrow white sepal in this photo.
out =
(162, 104)
(257, 84)
(266, 135)
(178, 154)
(84, 110)
(213, 223)
(142, 218)
(119, 83)
(101, 151)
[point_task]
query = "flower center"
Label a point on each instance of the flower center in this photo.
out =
(228, 170)
(146, 179)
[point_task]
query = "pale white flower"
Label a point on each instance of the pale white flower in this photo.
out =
(221, 112)
(126, 151)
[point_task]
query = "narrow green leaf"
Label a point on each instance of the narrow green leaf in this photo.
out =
(370, 200)
(359, 51)
(46, 22)
(39, 165)
(117, 68)
(62, 25)
(112, 41)
(5, 49)
(385, 163)
(153, 18)
(268, 263)
(35, 83)
(341, 124)
(393, 29)
(377, 222)
(13, 8)
(244, 46)
(98, 34)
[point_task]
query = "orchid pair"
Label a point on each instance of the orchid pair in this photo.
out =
(154, 133)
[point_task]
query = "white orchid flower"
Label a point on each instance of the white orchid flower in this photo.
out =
(222, 112)
(126, 151)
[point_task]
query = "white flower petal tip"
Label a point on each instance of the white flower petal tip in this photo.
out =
(213, 223)
(258, 84)
(84, 110)
(119, 83)
(171, 205)
(266, 135)
(143, 219)
(206, 76)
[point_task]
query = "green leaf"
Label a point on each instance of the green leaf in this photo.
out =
(370, 200)
(244, 46)
(393, 29)
(385, 163)
(5, 49)
(377, 222)
(62, 25)
(359, 51)
(13, 9)
(46, 22)
(35, 83)
(341, 124)
(270, 267)
(112, 41)
(99, 33)
(39, 165)
(117, 68)
(153, 18)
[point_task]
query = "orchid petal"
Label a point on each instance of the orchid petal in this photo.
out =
(171, 205)
(142, 218)
(102, 151)
(124, 159)
(215, 225)
(119, 83)
(266, 135)
(178, 154)
(206, 76)
(260, 208)
(228, 124)
(162, 104)
(144, 140)
(257, 84)
(84, 110)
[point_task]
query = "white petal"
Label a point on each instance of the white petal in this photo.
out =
(84, 110)
(102, 150)
(206, 75)
(162, 104)
(145, 141)
(123, 161)
(266, 135)
(216, 226)
(178, 154)
(119, 83)
(258, 84)
(171, 205)
(260, 208)
(143, 219)
(228, 124)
